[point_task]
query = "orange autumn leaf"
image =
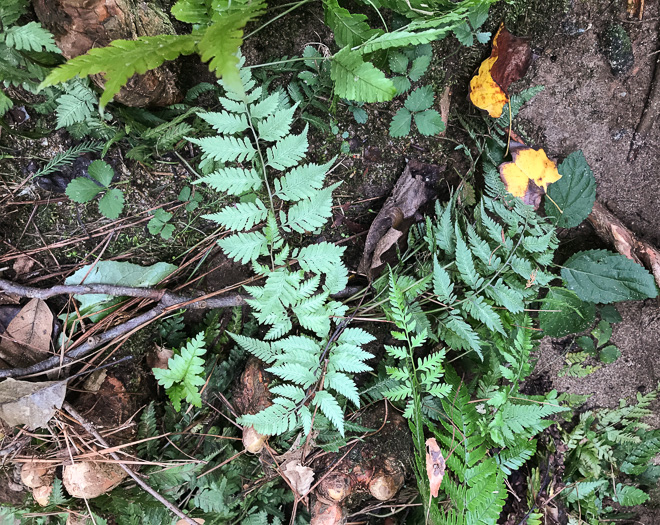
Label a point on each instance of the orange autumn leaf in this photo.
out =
(529, 174)
(508, 62)
(435, 466)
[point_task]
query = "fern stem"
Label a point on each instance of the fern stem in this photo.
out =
(288, 61)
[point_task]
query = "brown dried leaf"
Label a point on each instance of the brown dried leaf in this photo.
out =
(414, 188)
(435, 466)
(514, 56)
(300, 477)
(23, 265)
(31, 404)
(159, 357)
(27, 338)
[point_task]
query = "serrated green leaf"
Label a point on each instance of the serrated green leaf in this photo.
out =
(609, 313)
(398, 63)
(233, 181)
(419, 67)
(420, 99)
(102, 172)
(429, 122)
(112, 203)
(288, 152)
(240, 216)
(565, 313)
(244, 247)
(310, 214)
(358, 80)
(601, 276)
(344, 385)
(5, 103)
(401, 84)
(574, 193)
(82, 190)
(330, 408)
(349, 29)
(302, 181)
(30, 37)
(401, 39)
(609, 354)
(400, 125)
(224, 122)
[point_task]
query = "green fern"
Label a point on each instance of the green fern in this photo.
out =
(184, 374)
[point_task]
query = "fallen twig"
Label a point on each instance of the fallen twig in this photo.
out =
(612, 230)
(90, 428)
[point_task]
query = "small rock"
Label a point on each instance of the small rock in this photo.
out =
(617, 48)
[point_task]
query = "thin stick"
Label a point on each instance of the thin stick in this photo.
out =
(90, 428)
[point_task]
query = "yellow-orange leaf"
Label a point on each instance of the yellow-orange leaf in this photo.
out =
(484, 91)
(508, 62)
(529, 174)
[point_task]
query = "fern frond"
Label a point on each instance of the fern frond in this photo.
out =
(240, 216)
(482, 311)
(349, 29)
(464, 262)
(30, 37)
(222, 39)
(224, 122)
(330, 408)
(276, 419)
(266, 107)
(226, 149)
(259, 349)
(287, 152)
(244, 247)
(233, 181)
(310, 214)
(277, 125)
(121, 59)
(358, 80)
(302, 181)
(401, 39)
(184, 374)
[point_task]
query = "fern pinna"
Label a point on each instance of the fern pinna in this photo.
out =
(257, 156)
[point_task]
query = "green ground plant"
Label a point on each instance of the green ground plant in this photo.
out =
(82, 189)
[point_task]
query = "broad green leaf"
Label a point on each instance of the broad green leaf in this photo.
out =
(574, 193)
(117, 273)
(101, 171)
(398, 63)
(609, 354)
(429, 122)
(420, 99)
(82, 189)
(609, 313)
(400, 125)
(602, 332)
(112, 203)
(601, 276)
(564, 313)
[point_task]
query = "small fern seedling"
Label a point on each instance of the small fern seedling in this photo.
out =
(184, 374)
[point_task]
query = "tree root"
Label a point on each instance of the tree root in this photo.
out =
(611, 229)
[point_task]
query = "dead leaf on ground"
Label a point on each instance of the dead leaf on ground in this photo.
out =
(23, 265)
(508, 62)
(30, 403)
(9, 298)
(529, 174)
(89, 480)
(159, 357)
(26, 340)
(414, 188)
(435, 466)
(300, 477)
